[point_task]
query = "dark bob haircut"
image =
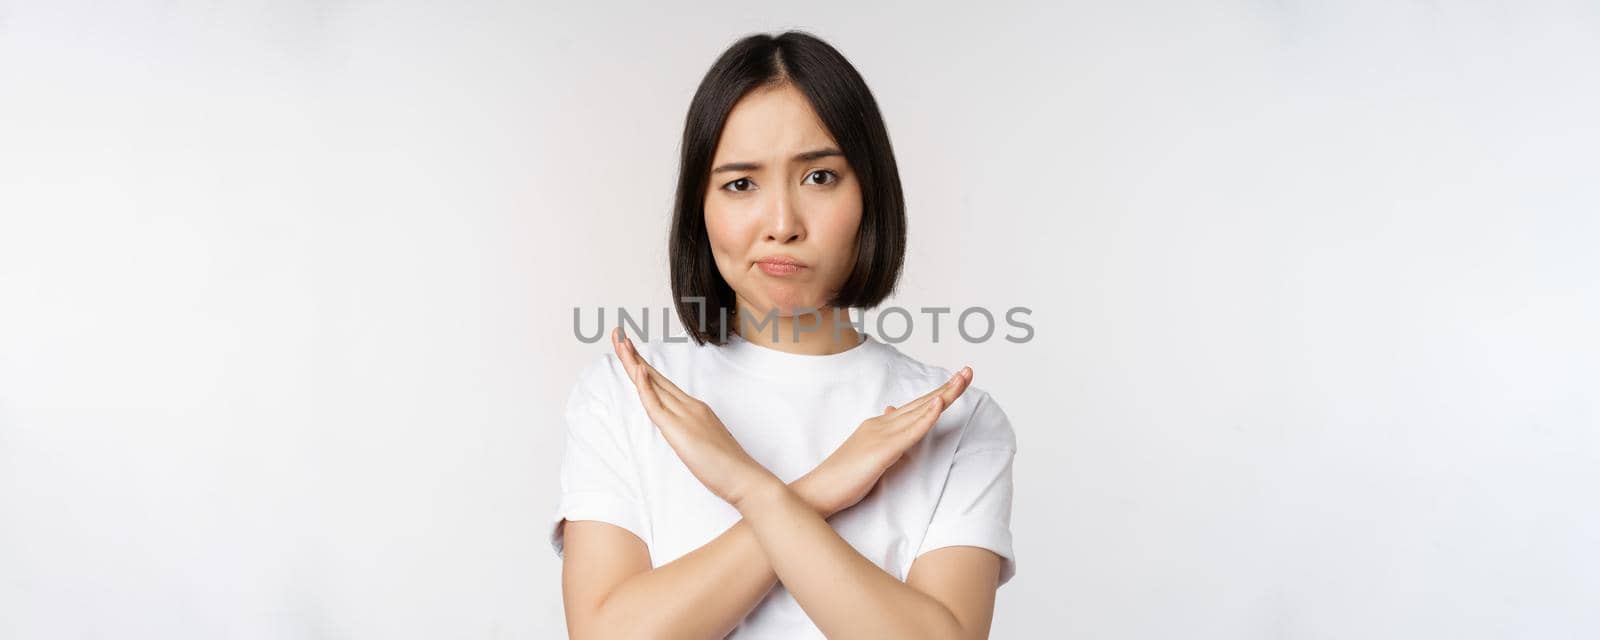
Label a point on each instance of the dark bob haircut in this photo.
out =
(846, 107)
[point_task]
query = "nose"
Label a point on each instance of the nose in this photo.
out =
(784, 224)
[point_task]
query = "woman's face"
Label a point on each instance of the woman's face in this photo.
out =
(780, 189)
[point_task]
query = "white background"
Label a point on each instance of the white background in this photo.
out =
(286, 298)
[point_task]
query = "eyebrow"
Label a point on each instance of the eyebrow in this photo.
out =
(801, 157)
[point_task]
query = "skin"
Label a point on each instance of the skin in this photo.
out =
(780, 185)
(782, 205)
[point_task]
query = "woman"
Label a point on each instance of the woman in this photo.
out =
(782, 475)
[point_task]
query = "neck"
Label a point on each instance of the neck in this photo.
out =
(826, 332)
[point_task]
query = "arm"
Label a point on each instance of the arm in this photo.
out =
(610, 591)
(949, 594)
(844, 593)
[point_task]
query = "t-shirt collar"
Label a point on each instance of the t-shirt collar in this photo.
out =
(764, 359)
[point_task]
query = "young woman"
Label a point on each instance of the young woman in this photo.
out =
(782, 474)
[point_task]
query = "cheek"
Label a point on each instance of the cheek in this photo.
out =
(837, 231)
(726, 233)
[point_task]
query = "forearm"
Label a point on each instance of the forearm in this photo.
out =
(703, 594)
(845, 594)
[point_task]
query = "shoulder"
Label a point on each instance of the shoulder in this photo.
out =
(603, 381)
(982, 421)
(988, 426)
(597, 384)
(673, 357)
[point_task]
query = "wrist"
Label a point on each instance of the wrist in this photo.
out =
(811, 488)
(756, 480)
(761, 489)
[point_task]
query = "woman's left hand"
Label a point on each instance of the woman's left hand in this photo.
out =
(691, 428)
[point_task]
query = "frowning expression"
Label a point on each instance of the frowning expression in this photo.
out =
(782, 206)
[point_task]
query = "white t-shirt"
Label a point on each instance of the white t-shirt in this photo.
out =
(789, 411)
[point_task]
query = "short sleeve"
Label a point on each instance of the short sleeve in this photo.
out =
(599, 479)
(975, 507)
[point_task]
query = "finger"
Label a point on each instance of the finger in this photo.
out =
(962, 380)
(929, 414)
(627, 353)
(669, 395)
(647, 392)
(640, 373)
(624, 354)
(912, 406)
(953, 387)
(919, 419)
(668, 400)
(924, 398)
(930, 410)
(662, 380)
(640, 363)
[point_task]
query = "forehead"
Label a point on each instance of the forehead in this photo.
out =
(769, 124)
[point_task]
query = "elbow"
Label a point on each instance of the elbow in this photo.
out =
(597, 623)
(589, 623)
(951, 627)
(957, 632)
(595, 630)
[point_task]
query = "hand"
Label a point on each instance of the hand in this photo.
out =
(691, 428)
(850, 472)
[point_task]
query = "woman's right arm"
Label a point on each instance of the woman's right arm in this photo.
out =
(610, 591)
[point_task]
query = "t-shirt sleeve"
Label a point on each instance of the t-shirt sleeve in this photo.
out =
(599, 477)
(975, 507)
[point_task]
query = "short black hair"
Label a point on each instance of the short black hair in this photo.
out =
(846, 107)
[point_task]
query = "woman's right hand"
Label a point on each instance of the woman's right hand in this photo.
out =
(850, 472)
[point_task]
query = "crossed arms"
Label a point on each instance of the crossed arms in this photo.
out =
(611, 591)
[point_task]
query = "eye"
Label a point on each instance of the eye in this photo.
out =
(747, 185)
(832, 177)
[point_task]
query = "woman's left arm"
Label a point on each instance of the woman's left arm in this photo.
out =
(949, 593)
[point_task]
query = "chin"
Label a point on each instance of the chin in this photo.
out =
(799, 306)
(788, 304)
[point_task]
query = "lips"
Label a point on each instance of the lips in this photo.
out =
(779, 265)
